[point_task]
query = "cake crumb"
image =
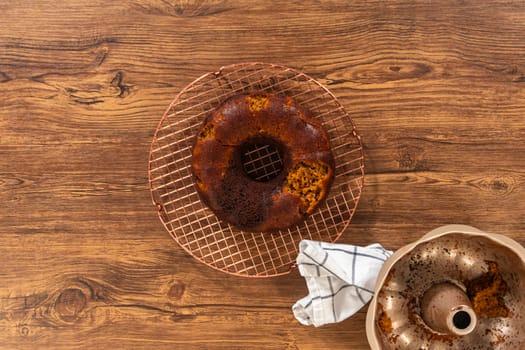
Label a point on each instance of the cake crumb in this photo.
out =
(487, 292)
(385, 323)
(207, 131)
(256, 103)
(305, 180)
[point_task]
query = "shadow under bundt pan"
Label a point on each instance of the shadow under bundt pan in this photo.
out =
(455, 288)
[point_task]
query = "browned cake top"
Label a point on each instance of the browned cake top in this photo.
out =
(304, 147)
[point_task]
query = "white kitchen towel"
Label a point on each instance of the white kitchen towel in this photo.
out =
(340, 280)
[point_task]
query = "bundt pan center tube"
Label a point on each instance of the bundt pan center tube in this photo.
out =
(446, 308)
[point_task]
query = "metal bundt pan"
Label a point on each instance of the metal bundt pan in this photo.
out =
(432, 294)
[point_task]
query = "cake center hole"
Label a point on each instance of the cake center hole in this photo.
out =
(261, 161)
(461, 320)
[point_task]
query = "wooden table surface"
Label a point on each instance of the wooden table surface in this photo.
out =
(436, 89)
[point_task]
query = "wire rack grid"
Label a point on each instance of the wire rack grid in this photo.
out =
(195, 227)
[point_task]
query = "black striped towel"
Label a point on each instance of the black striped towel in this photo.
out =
(340, 280)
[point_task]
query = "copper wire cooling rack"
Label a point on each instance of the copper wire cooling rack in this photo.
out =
(195, 227)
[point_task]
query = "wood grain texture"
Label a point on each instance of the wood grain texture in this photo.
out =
(437, 90)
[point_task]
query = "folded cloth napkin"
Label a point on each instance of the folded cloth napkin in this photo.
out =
(340, 280)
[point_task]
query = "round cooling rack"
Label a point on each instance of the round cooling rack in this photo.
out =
(194, 226)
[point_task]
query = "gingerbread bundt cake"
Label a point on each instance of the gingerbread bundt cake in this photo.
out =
(266, 205)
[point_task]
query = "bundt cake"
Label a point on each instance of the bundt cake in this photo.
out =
(290, 195)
